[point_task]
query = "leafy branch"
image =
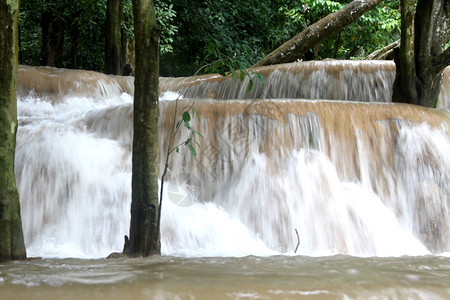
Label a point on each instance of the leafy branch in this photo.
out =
(189, 114)
(185, 119)
(236, 65)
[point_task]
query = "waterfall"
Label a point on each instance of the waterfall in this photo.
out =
(353, 80)
(365, 179)
(364, 81)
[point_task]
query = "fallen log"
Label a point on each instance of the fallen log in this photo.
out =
(385, 52)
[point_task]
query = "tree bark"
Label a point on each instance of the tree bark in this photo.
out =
(113, 37)
(296, 47)
(11, 236)
(422, 59)
(405, 62)
(384, 53)
(144, 238)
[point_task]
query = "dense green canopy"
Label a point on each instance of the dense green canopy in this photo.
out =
(246, 31)
(197, 33)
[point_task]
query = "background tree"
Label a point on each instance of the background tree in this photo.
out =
(11, 236)
(113, 39)
(82, 25)
(371, 31)
(236, 28)
(296, 47)
(422, 56)
(144, 235)
(53, 29)
(78, 25)
(247, 31)
(243, 31)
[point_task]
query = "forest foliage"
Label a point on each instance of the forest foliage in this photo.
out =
(197, 33)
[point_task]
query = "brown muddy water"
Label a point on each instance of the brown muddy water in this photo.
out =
(274, 277)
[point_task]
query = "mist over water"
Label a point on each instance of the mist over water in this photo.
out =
(353, 178)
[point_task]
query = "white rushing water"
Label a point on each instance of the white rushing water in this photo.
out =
(73, 169)
(74, 183)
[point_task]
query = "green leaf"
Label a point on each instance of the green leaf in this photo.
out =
(196, 113)
(216, 65)
(186, 117)
(211, 47)
(194, 153)
(242, 74)
(260, 78)
(250, 86)
(233, 72)
(188, 141)
(198, 133)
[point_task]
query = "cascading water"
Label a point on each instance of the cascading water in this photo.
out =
(344, 174)
(365, 81)
(74, 184)
(353, 178)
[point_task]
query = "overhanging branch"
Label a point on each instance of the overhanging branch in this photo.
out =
(441, 61)
(314, 34)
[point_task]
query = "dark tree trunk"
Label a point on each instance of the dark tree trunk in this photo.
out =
(11, 236)
(144, 236)
(406, 56)
(422, 59)
(296, 47)
(113, 41)
(53, 27)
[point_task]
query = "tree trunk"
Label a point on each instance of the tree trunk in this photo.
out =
(53, 27)
(296, 47)
(422, 59)
(406, 58)
(113, 39)
(144, 238)
(11, 236)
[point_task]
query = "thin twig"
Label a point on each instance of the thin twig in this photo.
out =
(173, 133)
(298, 241)
(166, 165)
(202, 67)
